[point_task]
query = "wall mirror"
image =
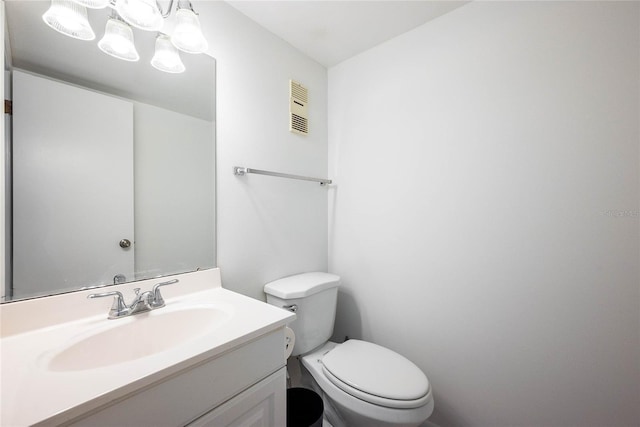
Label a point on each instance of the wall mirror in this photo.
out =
(112, 174)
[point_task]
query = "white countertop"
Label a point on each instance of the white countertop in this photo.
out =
(31, 393)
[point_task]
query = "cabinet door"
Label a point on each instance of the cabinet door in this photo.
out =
(262, 405)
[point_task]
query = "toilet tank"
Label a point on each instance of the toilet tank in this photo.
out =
(313, 296)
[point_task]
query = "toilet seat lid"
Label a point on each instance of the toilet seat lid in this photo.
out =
(376, 374)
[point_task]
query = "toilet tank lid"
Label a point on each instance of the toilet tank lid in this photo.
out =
(301, 285)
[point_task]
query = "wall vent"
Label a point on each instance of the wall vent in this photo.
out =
(298, 118)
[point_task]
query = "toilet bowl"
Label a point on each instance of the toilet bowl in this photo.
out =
(362, 383)
(359, 406)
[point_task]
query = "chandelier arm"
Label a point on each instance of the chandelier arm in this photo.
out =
(188, 5)
(168, 12)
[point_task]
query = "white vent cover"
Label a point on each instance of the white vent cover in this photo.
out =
(298, 118)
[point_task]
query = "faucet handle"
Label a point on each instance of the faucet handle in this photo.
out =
(158, 301)
(118, 306)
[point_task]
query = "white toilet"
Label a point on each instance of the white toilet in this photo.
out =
(363, 384)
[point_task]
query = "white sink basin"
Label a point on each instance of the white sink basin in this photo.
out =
(61, 358)
(137, 336)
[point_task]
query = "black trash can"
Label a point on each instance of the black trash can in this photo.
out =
(304, 408)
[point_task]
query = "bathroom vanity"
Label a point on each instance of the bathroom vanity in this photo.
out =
(210, 357)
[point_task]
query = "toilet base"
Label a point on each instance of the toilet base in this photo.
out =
(331, 417)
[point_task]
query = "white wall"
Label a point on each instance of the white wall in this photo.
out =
(174, 178)
(266, 227)
(485, 222)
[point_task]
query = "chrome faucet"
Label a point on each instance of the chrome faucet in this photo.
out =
(146, 301)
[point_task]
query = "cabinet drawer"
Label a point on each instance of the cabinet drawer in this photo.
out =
(186, 396)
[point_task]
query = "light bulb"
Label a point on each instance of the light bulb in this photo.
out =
(93, 4)
(143, 14)
(166, 57)
(70, 19)
(118, 41)
(187, 35)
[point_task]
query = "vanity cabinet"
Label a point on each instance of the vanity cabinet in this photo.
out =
(245, 386)
(262, 405)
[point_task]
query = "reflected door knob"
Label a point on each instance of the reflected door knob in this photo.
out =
(125, 243)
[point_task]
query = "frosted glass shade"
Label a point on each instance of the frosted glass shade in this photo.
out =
(70, 19)
(93, 4)
(118, 41)
(166, 57)
(143, 14)
(187, 35)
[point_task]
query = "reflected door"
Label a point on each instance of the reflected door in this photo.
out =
(73, 186)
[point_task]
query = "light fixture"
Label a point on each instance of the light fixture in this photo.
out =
(69, 18)
(166, 57)
(118, 41)
(94, 4)
(187, 35)
(143, 14)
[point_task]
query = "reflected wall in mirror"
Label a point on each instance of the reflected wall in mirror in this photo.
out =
(113, 162)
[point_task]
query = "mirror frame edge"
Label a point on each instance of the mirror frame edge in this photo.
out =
(3, 171)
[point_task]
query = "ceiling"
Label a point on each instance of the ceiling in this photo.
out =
(332, 31)
(327, 31)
